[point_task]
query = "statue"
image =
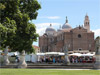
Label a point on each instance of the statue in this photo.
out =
(66, 55)
(97, 54)
(6, 61)
(22, 63)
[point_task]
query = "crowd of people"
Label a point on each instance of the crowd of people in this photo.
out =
(52, 59)
(76, 59)
(73, 59)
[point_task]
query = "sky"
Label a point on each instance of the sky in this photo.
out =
(55, 12)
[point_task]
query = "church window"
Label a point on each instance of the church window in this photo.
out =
(80, 49)
(79, 35)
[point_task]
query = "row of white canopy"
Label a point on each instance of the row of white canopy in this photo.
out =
(51, 53)
(60, 53)
(56, 53)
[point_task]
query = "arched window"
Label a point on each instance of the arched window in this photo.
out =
(79, 35)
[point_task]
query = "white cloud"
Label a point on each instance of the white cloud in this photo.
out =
(97, 32)
(51, 17)
(40, 31)
(54, 17)
(41, 27)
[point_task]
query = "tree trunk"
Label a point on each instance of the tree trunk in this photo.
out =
(6, 61)
(22, 63)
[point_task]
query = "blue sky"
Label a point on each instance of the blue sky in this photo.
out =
(55, 12)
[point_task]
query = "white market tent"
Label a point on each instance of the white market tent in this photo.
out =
(50, 53)
(61, 53)
(13, 53)
(79, 54)
(41, 54)
(88, 54)
(75, 54)
(54, 53)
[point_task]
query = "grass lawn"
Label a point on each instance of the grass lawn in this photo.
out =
(47, 72)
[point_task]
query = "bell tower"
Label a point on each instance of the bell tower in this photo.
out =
(87, 23)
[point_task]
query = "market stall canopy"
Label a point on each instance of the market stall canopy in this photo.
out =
(75, 54)
(88, 54)
(51, 53)
(13, 53)
(54, 53)
(79, 54)
(40, 54)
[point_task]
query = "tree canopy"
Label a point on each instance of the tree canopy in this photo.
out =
(15, 29)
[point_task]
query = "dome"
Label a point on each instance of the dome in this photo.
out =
(50, 29)
(66, 25)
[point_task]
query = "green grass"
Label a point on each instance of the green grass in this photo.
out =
(47, 72)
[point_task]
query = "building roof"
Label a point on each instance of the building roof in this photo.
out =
(35, 46)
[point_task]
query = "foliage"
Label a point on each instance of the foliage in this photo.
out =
(7, 32)
(14, 22)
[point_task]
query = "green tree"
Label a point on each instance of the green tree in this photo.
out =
(14, 22)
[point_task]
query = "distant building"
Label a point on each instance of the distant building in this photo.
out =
(37, 49)
(76, 39)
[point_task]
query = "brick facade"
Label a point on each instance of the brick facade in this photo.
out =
(78, 38)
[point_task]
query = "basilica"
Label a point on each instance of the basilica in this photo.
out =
(79, 39)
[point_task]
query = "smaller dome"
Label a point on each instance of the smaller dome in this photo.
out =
(50, 29)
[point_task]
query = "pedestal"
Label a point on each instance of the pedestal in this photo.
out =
(6, 61)
(97, 55)
(67, 60)
(22, 63)
(97, 63)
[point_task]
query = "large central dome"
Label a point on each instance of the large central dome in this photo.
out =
(66, 25)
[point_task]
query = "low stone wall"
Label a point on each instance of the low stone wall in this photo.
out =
(11, 59)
